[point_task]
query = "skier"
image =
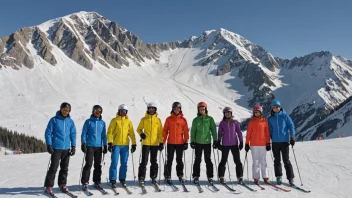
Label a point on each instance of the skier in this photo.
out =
(60, 139)
(279, 125)
(120, 129)
(176, 133)
(202, 131)
(258, 141)
(151, 132)
(230, 138)
(93, 138)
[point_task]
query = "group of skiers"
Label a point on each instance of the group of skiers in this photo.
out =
(276, 133)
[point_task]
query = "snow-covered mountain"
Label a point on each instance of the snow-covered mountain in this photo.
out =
(86, 59)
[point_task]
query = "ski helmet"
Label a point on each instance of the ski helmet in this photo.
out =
(202, 104)
(258, 108)
(276, 103)
(65, 105)
(97, 107)
(176, 104)
(152, 104)
(227, 109)
(122, 107)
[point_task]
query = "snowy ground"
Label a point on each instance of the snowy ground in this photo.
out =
(325, 166)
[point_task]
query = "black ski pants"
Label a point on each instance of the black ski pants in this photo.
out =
(236, 158)
(282, 148)
(92, 153)
(153, 150)
(198, 158)
(62, 158)
(171, 149)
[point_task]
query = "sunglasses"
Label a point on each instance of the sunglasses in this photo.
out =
(228, 112)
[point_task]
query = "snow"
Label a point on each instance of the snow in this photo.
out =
(325, 168)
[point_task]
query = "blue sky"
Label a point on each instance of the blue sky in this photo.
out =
(285, 28)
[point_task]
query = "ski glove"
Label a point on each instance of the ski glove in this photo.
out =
(268, 147)
(105, 149)
(72, 151)
(161, 147)
(133, 148)
(292, 141)
(110, 147)
(193, 145)
(240, 146)
(246, 148)
(185, 146)
(219, 146)
(143, 136)
(83, 147)
(215, 144)
(50, 149)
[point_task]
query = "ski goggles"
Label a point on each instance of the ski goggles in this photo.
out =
(124, 111)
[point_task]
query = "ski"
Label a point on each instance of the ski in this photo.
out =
(273, 185)
(86, 191)
(124, 186)
(260, 186)
(100, 189)
(300, 189)
(51, 195)
(67, 192)
(211, 185)
(169, 183)
(156, 186)
(200, 189)
(183, 185)
(228, 187)
(112, 188)
(246, 186)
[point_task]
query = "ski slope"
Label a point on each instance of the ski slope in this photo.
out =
(325, 167)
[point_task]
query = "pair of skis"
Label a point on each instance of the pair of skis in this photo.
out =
(67, 192)
(282, 189)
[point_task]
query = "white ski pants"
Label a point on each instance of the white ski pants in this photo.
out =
(259, 162)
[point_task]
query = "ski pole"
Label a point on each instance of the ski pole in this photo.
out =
(164, 167)
(228, 170)
(159, 166)
(190, 176)
(247, 170)
(185, 165)
(134, 175)
(216, 166)
(297, 166)
(244, 163)
(47, 169)
(80, 177)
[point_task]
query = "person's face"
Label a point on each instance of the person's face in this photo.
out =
(65, 111)
(151, 110)
(202, 111)
(275, 108)
(177, 110)
(228, 114)
(97, 113)
(257, 113)
(123, 112)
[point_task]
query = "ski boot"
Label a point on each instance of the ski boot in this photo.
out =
(210, 180)
(278, 180)
(113, 183)
(49, 190)
(256, 181)
(168, 180)
(141, 182)
(290, 181)
(85, 186)
(240, 180)
(63, 188)
(266, 180)
(196, 180)
(97, 185)
(222, 180)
